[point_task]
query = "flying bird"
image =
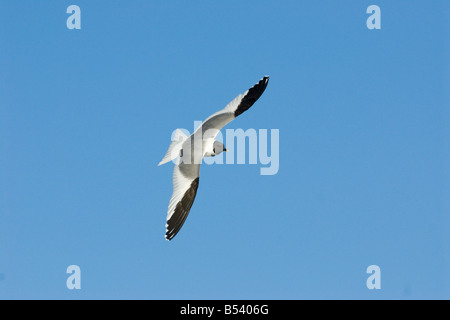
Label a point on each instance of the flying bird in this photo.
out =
(189, 152)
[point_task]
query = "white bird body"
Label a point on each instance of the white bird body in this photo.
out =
(189, 151)
(208, 150)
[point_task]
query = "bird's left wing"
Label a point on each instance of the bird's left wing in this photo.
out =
(185, 185)
(214, 123)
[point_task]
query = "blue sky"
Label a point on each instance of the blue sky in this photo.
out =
(363, 118)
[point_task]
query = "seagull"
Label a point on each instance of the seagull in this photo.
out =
(188, 153)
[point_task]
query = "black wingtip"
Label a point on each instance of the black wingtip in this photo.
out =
(252, 96)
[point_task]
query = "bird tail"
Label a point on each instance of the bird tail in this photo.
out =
(174, 149)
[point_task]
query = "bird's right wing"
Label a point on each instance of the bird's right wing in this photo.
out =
(214, 123)
(185, 185)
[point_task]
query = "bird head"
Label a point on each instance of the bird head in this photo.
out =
(218, 147)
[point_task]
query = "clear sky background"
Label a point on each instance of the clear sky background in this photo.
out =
(363, 117)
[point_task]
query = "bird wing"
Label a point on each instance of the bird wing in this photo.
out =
(214, 123)
(185, 185)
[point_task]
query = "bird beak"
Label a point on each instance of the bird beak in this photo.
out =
(225, 150)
